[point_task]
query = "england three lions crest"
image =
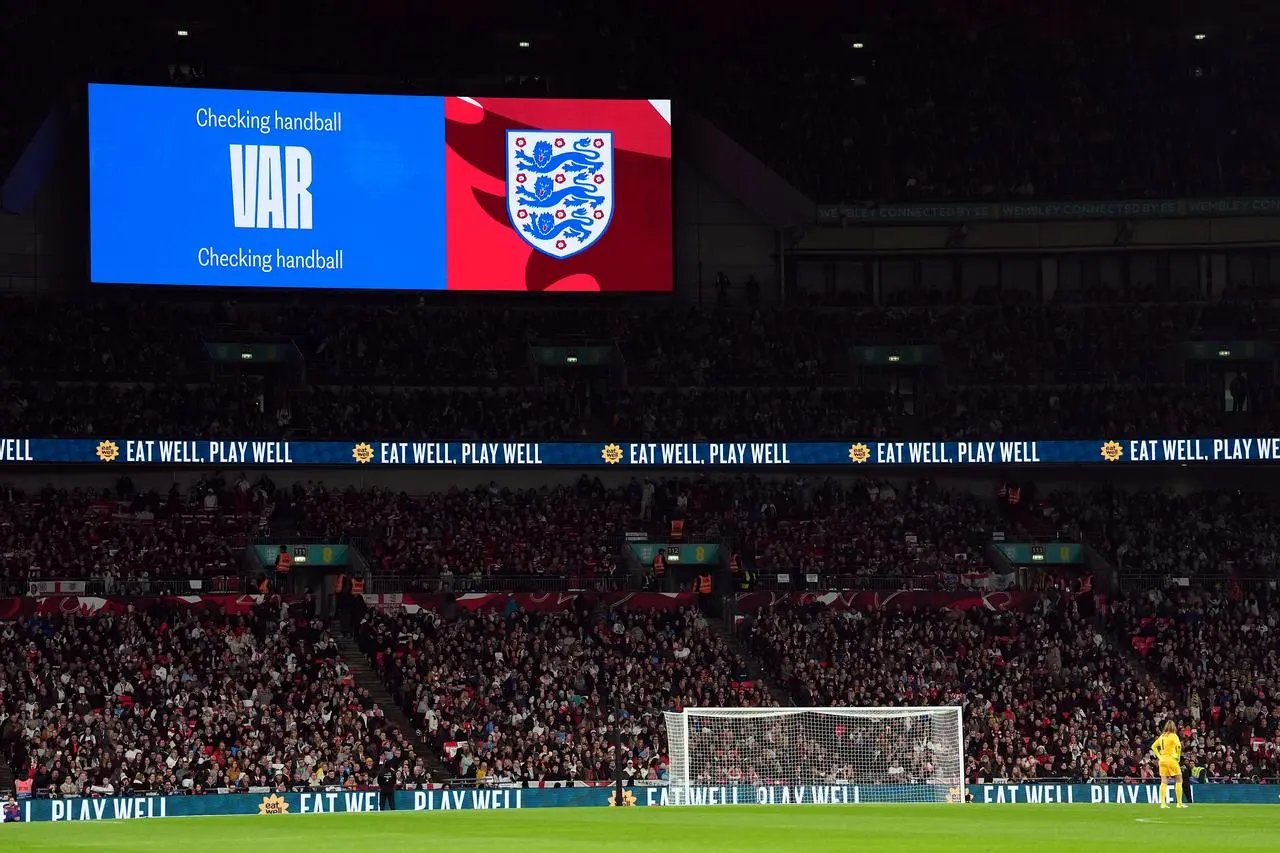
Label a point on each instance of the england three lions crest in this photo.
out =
(560, 188)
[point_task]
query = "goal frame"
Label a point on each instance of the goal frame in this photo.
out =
(679, 776)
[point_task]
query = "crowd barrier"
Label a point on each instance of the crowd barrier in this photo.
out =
(20, 607)
(489, 799)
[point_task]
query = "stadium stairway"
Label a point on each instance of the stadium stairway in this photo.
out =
(1123, 645)
(757, 673)
(366, 678)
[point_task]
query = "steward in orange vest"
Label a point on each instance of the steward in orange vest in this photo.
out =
(284, 562)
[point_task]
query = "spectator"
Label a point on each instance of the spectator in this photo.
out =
(217, 703)
(542, 699)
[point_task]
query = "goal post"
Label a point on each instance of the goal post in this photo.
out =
(723, 756)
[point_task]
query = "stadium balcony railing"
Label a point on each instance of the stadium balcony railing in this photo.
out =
(801, 580)
(49, 793)
(135, 586)
(460, 583)
(660, 531)
(300, 539)
(1222, 583)
(456, 782)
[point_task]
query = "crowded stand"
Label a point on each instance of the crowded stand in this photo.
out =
(1079, 336)
(572, 412)
(1215, 651)
(755, 414)
(852, 534)
(533, 697)
(107, 340)
(457, 539)
(468, 539)
(1203, 535)
(227, 409)
(471, 538)
(928, 106)
(186, 701)
(978, 413)
(130, 542)
(1032, 372)
(1046, 694)
(463, 539)
(955, 413)
(552, 413)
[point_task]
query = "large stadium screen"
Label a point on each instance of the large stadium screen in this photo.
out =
(288, 189)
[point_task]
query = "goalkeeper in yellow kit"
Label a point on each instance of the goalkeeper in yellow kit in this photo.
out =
(1168, 751)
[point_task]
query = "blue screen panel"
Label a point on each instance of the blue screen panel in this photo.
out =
(266, 189)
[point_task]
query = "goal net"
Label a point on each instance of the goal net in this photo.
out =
(815, 755)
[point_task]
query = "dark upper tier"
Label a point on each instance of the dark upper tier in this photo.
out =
(872, 100)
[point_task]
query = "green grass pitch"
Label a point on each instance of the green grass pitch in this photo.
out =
(766, 829)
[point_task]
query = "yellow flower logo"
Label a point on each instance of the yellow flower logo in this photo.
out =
(273, 804)
(108, 451)
(859, 453)
(362, 453)
(1112, 451)
(628, 799)
(612, 454)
